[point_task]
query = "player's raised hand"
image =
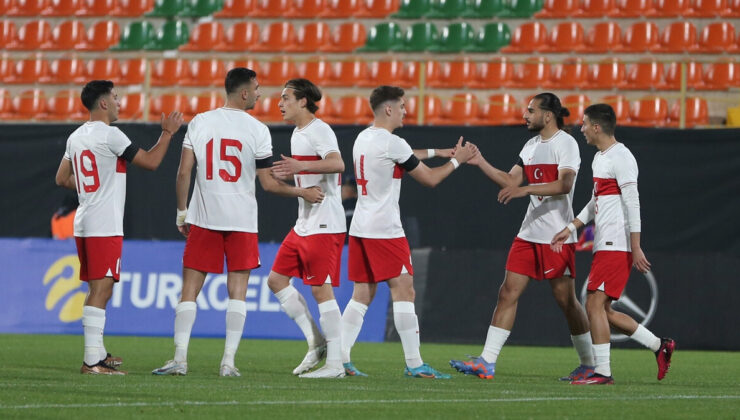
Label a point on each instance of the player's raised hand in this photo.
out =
(464, 153)
(640, 261)
(287, 167)
(445, 153)
(313, 194)
(509, 193)
(172, 122)
(556, 245)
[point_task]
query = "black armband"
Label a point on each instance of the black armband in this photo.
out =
(264, 163)
(130, 152)
(411, 163)
(520, 162)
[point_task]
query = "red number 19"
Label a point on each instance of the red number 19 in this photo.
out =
(91, 172)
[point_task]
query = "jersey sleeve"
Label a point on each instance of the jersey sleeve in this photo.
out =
(117, 141)
(264, 144)
(568, 155)
(324, 142)
(625, 169)
(398, 150)
(67, 155)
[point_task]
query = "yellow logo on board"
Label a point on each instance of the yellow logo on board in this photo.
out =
(65, 288)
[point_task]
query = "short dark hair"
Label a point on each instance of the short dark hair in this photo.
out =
(550, 102)
(304, 88)
(381, 94)
(93, 90)
(604, 116)
(237, 77)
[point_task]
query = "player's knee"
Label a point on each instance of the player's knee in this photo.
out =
(276, 283)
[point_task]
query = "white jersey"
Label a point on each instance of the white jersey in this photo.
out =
(314, 142)
(226, 142)
(100, 177)
(377, 154)
(613, 169)
(542, 159)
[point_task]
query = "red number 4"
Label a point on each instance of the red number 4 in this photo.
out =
(234, 160)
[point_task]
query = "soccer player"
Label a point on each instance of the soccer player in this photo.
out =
(615, 207)
(549, 163)
(378, 249)
(229, 148)
(313, 248)
(94, 164)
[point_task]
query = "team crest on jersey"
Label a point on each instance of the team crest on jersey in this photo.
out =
(64, 295)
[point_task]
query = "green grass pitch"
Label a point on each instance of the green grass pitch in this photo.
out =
(39, 378)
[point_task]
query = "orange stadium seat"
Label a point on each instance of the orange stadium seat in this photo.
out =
(640, 37)
(644, 75)
(649, 111)
(576, 104)
(528, 37)
(131, 8)
(347, 37)
(384, 72)
(621, 107)
(95, 7)
(315, 69)
(697, 113)
(28, 71)
(236, 9)
(100, 36)
(31, 36)
(493, 74)
(532, 73)
(564, 37)
(557, 9)
(348, 72)
(26, 7)
(722, 75)
(461, 109)
(302, 9)
(632, 8)
(64, 71)
(325, 106)
(354, 109)
(58, 8)
(669, 8)
(7, 66)
(7, 33)
(501, 109)
(595, 8)
(310, 38)
(274, 37)
(269, 112)
(167, 103)
(455, 74)
(204, 37)
(132, 107)
(6, 104)
(249, 63)
(133, 71)
(241, 36)
(103, 69)
(270, 8)
(411, 73)
(432, 109)
(277, 71)
(677, 37)
(170, 72)
(707, 8)
(28, 104)
(607, 74)
(65, 105)
(206, 72)
(377, 8)
(65, 36)
(732, 10)
(205, 101)
(672, 80)
(572, 73)
(339, 9)
(4, 6)
(715, 37)
(601, 38)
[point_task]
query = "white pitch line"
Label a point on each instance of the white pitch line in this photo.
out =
(345, 402)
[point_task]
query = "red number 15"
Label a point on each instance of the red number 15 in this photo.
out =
(223, 173)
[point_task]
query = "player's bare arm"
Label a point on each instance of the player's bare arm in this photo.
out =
(563, 185)
(287, 167)
(182, 187)
(639, 260)
(65, 176)
(559, 239)
(431, 177)
(503, 179)
(275, 186)
(422, 154)
(151, 158)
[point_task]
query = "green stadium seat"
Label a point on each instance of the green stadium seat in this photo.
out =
(490, 38)
(454, 38)
(135, 36)
(413, 9)
(166, 8)
(172, 34)
(382, 37)
(521, 9)
(483, 9)
(418, 37)
(201, 8)
(446, 9)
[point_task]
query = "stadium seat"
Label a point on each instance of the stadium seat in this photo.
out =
(521, 9)
(677, 37)
(594, 8)
(528, 37)
(315, 69)
(533, 73)
(135, 36)
(377, 8)
(310, 38)
(706, 8)
(101, 36)
(132, 107)
(352, 109)
(65, 36)
(166, 8)
(204, 37)
(383, 37)
(268, 111)
(493, 74)
(454, 38)
(103, 69)
(576, 104)
(490, 38)
(669, 8)
(384, 72)
(26, 8)
(65, 105)
(722, 75)
(7, 67)
(28, 71)
(235, 9)
(455, 75)
(558, 9)
(631, 8)
(413, 9)
(648, 112)
(170, 36)
(277, 71)
(412, 74)
(446, 9)
(206, 72)
(644, 75)
(133, 71)
(672, 80)
(607, 74)
(564, 37)
(28, 105)
(55, 8)
(131, 8)
(697, 113)
(205, 101)
(201, 8)
(170, 72)
(483, 9)
(64, 71)
(95, 8)
(274, 37)
(7, 33)
(166, 103)
(714, 38)
(31, 36)
(732, 10)
(639, 37)
(432, 109)
(572, 73)
(601, 38)
(270, 8)
(6, 104)
(300, 9)
(621, 107)
(241, 36)
(339, 9)
(461, 109)
(501, 109)
(347, 37)
(325, 106)
(419, 36)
